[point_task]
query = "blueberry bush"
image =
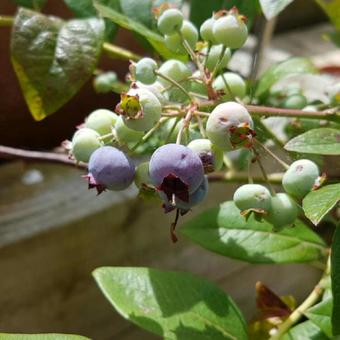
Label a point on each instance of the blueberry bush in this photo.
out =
(193, 120)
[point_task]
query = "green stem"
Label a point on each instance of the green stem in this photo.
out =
(298, 313)
(115, 51)
(270, 134)
(228, 88)
(175, 83)
(272, 154)
(6, 21)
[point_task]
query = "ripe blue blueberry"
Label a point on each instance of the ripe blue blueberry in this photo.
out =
(110, 168)
(300, 178)
(176, 170)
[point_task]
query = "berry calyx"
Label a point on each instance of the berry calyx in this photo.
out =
(230, 126)
(176, 170)
(230, 30)
(140, 109)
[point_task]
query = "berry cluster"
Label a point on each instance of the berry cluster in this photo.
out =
(280, 209)
(189, 116)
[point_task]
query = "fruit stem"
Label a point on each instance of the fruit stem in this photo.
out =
(175, 83)
(228, 88)
(218, 64)
(298, 313)
(186, 123)
(272, 154)
(171, 130)
(150, 132)
(263, 171)
(201, 126)
(115, 51)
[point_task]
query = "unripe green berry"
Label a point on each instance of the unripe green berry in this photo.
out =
(211, 60)
(104, 83)
(210, 154)
(300, 178)
(156, 88)
(142, 175)
(206, 30)
(177, 71)
(145, 71)
(230, 30)
(84, 142)
(174, 41)
(170, 21)
(102, 121)
(224, 122)
(252, 196)
(147, 112)
(296, 101)
(283, 211)
(236, 85)
(126, 135)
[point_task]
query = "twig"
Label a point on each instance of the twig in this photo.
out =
(7, 152)
(6, 21)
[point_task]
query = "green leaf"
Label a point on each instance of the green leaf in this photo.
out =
(53, 59)
(224, 231)
(319, 202)
(85, 9)
(173, 305)
(152, 37)
(202, 10)
(320, 315)
(332, 9)
(271, 8)
(34, 4)
(139, 10)
(335, 278)
(282, 70)
(323, 141)
(305, 330)
(50, 336)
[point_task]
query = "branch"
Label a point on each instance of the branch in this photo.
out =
(32, 156)
(234, 177)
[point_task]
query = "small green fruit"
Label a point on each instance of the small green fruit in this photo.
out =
(102, 121)
(170, 21)
(236, 84)
(252, 196)
(300, 178)
(283, 211)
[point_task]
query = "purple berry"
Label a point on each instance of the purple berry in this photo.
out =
(110, 168)
(176, 170)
